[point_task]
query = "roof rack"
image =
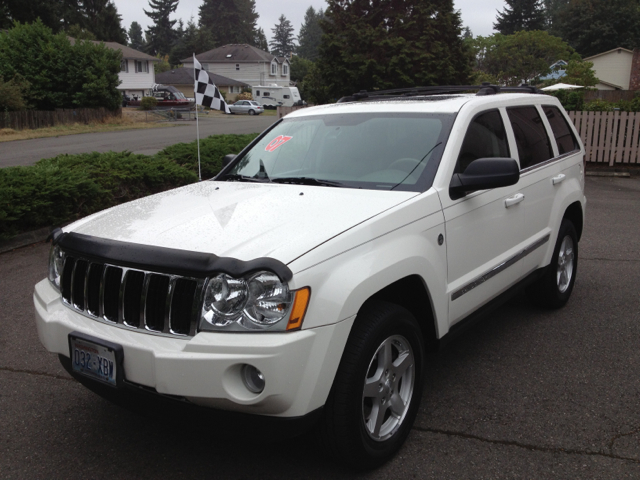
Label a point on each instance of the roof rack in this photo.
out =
(484, 89)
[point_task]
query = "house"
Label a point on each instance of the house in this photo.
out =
(182, 79)
(558, 70)
(137, 75)
(615, 68)
(246, 64)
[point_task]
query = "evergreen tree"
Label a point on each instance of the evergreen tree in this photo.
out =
(553, 8)
(467, 33)
(310, 34)
(520, 15)
(596, 26)
(161, 35)
(389, 44)
(135, 37)
(282, 42)
(101, 18)
(194, 40)
(230, 21)
(28, 11)
(260, 40)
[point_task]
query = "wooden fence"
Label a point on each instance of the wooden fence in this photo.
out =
(30, 119)
(610, 138)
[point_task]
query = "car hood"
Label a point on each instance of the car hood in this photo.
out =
(240, 220)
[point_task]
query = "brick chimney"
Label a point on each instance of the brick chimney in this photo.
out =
(634, 80)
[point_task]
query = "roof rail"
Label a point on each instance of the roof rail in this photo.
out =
(484, 89)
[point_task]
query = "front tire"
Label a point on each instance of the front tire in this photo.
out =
(554, 288)
(376, 393)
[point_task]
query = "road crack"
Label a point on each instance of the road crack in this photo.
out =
(537, 448)
(34, 372)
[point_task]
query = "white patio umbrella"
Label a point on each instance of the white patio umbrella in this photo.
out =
(561, 86)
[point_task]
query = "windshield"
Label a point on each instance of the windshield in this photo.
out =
(180, 95)
(382, 151)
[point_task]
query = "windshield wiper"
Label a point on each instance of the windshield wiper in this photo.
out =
(242, 178)
(307, 181)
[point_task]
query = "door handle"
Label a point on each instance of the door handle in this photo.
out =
(558, 179)
(517, 198)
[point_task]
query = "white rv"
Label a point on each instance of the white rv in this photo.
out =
(270, 96)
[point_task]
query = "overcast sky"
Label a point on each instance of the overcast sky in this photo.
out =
(477, 15)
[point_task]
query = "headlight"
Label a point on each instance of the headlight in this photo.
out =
(56, 264)
(259, 302)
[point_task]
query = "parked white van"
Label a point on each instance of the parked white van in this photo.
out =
(271, 96)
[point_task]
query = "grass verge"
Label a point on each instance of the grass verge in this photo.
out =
(131, 119)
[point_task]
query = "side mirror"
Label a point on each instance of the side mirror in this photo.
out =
(228, 159)
(483, 174)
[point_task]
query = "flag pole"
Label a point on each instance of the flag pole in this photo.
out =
(197, 121)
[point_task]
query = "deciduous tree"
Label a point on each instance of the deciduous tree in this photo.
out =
(520, 15)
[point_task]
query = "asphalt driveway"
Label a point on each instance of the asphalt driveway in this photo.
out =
(145, 141)
(525, 394)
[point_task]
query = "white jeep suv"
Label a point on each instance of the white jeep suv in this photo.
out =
(308, 278)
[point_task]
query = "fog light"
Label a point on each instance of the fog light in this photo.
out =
(253, 379)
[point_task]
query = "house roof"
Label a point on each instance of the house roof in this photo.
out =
(127, 52)
(610, 51)
(233, 53)
(612, 85)
(184, 76)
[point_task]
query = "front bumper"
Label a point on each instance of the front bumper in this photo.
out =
(298, 367)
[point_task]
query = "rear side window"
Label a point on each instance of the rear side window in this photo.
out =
(565, 138)
(485, 137)
(531, 137)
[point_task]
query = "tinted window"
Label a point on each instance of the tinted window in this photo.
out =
(485, 137)
(531, 137)
(565, 138)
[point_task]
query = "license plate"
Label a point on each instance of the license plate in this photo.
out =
(96, 358)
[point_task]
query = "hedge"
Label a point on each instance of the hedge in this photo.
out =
(68, 187)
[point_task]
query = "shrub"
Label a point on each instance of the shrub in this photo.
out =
(571, 100)
(148, 103)
(212, 150)
(244, 96)
(68, 187)
(598, 105)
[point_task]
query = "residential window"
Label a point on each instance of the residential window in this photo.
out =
(274, 69)
(124, 66)
(285, 70)
(531, 136)
(237, 66)
(142, 66)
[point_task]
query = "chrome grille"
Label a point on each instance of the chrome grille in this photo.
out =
(155, 303)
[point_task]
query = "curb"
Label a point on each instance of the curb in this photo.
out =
(25, 239)
(593, 173)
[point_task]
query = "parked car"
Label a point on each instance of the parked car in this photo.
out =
(246, 106)
(307, 280)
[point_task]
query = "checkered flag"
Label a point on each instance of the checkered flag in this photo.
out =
(207, 94)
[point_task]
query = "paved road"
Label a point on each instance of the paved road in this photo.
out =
(148, 141)
(525, 394)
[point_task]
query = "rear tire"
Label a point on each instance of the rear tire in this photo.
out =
(377, 390)
(252, 112)
(554, 288)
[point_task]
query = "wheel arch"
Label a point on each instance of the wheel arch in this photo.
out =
(576, 216)
(411, 292)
